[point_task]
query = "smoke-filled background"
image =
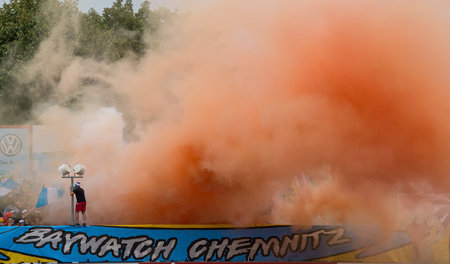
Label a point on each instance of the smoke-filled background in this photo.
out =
(251, 112)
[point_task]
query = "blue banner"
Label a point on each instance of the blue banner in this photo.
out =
(202, 243)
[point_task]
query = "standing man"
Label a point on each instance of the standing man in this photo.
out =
(81, 203)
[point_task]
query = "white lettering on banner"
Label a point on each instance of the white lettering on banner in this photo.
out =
(140, 247)
(217, 247)
(162, 249)
(131, 245)
(111, 245)
(249, 247)
(70, 241)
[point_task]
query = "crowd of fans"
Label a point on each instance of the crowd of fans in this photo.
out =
(17, 208)
(13, 216)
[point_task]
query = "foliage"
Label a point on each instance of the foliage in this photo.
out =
(116, 34)
(119, 32)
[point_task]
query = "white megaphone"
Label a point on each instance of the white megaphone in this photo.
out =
(79, 169)
(64, 169)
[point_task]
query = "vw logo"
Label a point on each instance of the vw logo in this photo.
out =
(10, 145)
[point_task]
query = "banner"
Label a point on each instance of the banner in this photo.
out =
(207, 244)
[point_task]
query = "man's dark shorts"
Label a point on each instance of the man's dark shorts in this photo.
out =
(80, 207)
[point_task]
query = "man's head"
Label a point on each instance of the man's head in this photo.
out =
(77, 184)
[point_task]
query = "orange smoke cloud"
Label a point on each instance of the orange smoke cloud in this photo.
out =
(245, 96)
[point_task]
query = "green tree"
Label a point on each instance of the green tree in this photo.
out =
(20, 35)
(119, 32)
(24, 25)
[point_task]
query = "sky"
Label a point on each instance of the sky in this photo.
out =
(99, 5)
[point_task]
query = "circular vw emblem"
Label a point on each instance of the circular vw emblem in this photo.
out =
(10, 145)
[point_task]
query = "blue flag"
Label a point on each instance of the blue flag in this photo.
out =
(49, 195)
(7, 186)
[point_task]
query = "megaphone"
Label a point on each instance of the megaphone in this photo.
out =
(64, 169)
(79, 169)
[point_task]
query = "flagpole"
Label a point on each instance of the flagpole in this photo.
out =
(71, 189)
